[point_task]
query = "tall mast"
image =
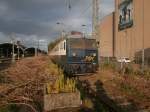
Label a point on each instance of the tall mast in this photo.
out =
(95, 19)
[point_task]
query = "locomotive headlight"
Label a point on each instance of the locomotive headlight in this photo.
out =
(94, 54)
(74, 54)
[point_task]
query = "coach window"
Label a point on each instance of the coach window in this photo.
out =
(64, 45)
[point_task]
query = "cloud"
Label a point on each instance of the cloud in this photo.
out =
(32, 19)
(3, 8)
(107, 6)
(4, 38)
(26, 40)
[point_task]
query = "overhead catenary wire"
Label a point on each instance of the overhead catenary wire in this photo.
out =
(83, 12)
(61, 19)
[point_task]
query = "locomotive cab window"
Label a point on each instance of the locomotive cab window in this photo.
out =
(64, 45)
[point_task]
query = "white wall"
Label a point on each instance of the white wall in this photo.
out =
(59, 49)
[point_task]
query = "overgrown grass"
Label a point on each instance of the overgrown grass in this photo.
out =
(108, 65)
(145, 74)
(4, 78)
(130, 90)
(10, 108)
(127, 69)
(132, 82)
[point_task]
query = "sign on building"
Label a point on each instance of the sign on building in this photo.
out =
(125, 14)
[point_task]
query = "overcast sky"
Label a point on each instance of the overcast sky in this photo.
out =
(31, 20)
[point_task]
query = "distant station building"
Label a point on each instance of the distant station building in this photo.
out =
(6, 50)
(126, 33)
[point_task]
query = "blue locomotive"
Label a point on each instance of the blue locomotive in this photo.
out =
(76, 55)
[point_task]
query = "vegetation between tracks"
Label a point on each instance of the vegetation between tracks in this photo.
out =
(24, 83)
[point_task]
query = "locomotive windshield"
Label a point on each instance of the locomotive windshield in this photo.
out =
(81, 50)
(82, 43)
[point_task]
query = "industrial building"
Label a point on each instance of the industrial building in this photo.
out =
(106, 30)
(126, 32)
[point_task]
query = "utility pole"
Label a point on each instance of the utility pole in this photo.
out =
(18, 51)
(38, 48)
(143, 49)
(95, 19)
(69, 5)
(18, 47)
(95, 24)
(13, 47)
(84, 30)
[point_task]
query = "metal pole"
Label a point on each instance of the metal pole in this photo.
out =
(18, 51)
(143, 51)
(36, 51)
(7, 53)
(12, 37)
(95, 18)
(23, 53)
(1, 52)
(38, 47)
(95, 22)
(84, 30)
(13, 50)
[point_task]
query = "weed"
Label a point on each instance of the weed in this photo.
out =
(4, 78)
(61, 84)
(108, 65)
(10, 108)
(129, 70)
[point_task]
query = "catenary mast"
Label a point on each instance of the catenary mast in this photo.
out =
(95, 19)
